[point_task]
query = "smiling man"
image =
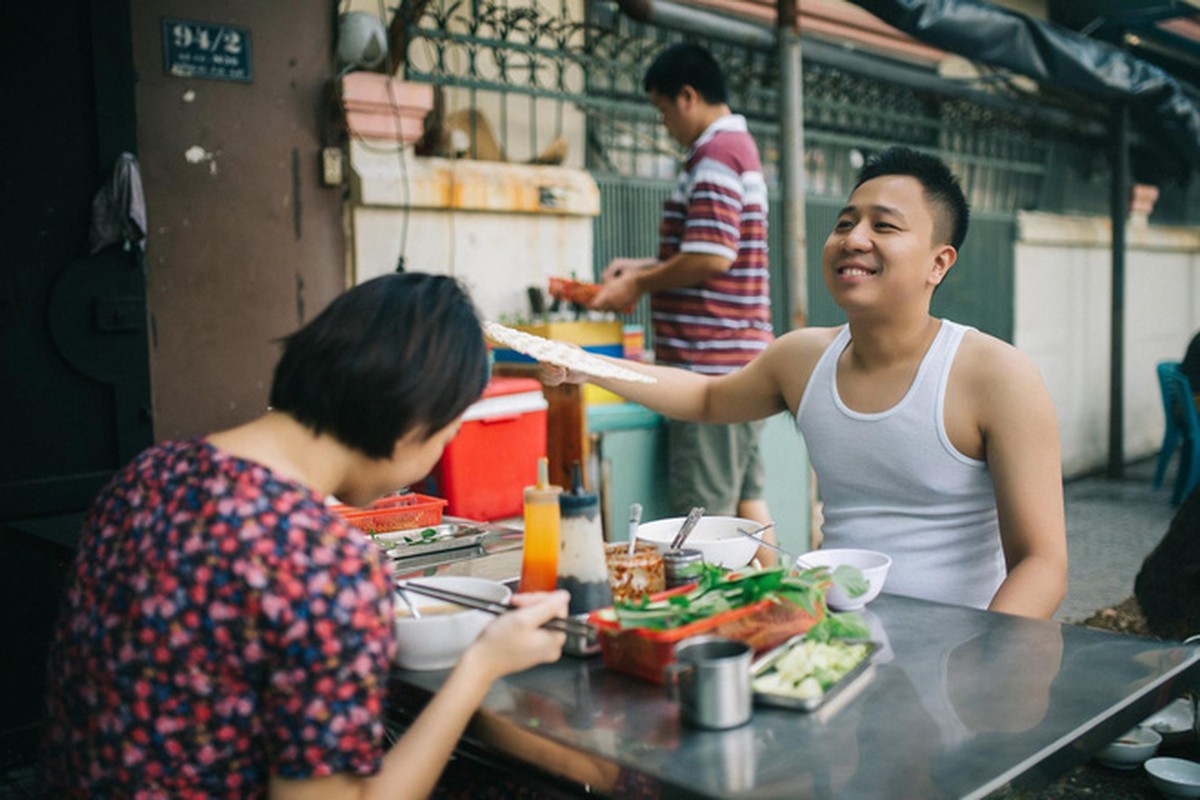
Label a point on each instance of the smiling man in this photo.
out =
(933, 442)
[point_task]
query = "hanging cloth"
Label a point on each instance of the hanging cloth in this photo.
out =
(119, 208)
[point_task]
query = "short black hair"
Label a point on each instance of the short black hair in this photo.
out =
(686, 64)
(398, 353)
(941, 188)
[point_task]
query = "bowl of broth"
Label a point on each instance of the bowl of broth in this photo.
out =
(444, 630)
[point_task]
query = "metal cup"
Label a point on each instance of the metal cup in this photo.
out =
(710, 679)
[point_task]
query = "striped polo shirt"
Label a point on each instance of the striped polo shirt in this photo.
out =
(718, 206)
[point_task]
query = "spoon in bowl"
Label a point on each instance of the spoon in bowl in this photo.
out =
(635, 519)
(754, 535)
(412, 609)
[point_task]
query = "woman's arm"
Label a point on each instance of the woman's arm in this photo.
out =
(513, 642)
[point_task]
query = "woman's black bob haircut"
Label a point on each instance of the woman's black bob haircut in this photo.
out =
(397, 354)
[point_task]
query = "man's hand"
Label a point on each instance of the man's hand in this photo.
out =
(619, 266)
(619, 293)
(554, 375)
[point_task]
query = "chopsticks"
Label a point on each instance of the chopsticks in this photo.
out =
(570, 627)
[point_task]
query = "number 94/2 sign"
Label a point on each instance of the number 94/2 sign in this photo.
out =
(206, 50)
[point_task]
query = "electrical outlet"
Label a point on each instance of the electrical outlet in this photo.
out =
(331, 166)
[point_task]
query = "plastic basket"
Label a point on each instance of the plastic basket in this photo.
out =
(395, 513)
(643, 653)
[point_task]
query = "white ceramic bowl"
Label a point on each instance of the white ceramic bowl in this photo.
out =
(1175, 777)
(715, 537)
(1130, 750)
(1173, 721)
(437, 640)
(873, 565)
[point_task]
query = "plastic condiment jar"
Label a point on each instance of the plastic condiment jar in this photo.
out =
(539, 559)
(581, 567)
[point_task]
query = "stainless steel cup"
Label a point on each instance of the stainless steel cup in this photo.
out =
(710, 679)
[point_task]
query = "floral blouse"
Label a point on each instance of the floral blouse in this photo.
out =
(220, 625)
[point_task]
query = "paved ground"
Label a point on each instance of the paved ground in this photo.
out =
(1112, 525)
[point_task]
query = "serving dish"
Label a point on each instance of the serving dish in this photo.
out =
(716, 538)
(434, 539)
(765, 664)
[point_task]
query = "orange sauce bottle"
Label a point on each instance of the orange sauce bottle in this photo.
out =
(539, 561)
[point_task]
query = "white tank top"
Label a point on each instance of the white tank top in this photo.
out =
(892, 482)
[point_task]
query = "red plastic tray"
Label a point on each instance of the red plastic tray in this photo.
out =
(643, 653)
(395, 513)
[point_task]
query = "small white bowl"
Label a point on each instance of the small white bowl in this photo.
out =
(872, 564)
(1175, 777)
(1130, 750)
(437, 640)
(1173, 721)
(716, 538)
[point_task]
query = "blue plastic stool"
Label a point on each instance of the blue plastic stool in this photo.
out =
(1182, 433)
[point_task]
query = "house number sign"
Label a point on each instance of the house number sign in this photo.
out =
(206, 50)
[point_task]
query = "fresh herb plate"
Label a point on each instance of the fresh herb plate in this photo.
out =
(766, 665)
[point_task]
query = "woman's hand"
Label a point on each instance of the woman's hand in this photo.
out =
(516, 640)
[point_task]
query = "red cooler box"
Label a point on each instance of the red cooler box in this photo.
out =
(486, 467)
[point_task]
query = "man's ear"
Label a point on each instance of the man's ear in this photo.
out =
(688, 96)
(943, 260)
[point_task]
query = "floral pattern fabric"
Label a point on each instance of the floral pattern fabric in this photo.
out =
(220, 625)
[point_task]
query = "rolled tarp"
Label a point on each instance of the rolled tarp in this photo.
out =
(1163, 108)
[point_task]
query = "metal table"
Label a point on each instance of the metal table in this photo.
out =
(959, 703)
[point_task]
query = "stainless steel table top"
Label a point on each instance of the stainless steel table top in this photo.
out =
(959, 703)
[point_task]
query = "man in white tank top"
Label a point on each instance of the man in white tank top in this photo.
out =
(931, 441)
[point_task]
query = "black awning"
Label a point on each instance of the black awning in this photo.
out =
(1165, 110)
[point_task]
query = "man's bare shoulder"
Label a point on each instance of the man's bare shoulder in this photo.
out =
(793, 357)
(807, 340)
(995, 368)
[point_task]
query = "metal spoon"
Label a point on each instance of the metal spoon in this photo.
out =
(685, 530)
(411, 608)
(754, 535)
(635, 518)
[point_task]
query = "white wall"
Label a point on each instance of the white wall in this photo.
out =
(1062, 320)
(499, 228)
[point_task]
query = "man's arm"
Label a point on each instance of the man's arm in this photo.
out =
(626, 282)
(772, 382)
(1021, 440)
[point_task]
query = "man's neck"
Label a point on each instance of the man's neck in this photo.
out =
(706, 115)
(883, 342)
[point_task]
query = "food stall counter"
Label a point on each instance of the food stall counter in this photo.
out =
(958, 703)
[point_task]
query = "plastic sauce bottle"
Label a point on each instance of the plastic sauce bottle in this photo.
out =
(581, 566)
(539, 561)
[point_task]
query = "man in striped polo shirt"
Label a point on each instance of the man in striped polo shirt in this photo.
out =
(709, 287)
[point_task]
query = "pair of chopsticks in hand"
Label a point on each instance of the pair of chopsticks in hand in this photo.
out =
(570, 627)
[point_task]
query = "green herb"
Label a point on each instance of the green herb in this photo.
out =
(420, 537)
(718, 591)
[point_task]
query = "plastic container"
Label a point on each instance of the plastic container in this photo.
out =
(644, 653)
(631, 576)
(539, 557)
(581, 567)
(508, 425)
(395, 513)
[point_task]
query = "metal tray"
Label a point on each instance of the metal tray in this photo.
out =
(449, 536)
(855, 677)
